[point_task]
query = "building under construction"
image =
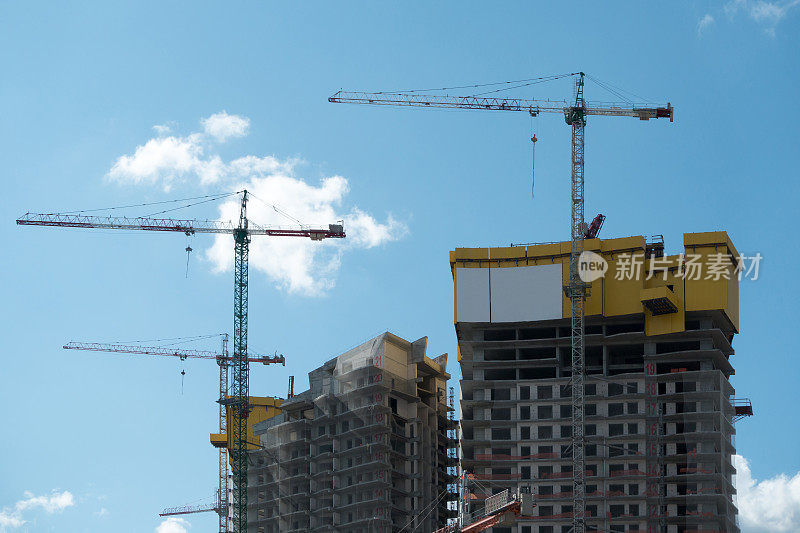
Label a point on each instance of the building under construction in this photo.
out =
(659, 407)
(370, 447)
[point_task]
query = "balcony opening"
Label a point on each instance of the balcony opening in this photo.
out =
(500, 335)
(537, 333)
(616, 329)
(536, 373)
(500, 374)
(499, 354)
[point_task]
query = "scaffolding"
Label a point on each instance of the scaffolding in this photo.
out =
(368, 447)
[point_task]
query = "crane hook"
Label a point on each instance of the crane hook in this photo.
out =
(188, 251)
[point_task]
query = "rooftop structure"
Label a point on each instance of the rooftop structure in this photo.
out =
(659, 407)
(365, 449)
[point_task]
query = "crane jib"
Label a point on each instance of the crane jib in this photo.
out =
(189, 227)
(532, 106)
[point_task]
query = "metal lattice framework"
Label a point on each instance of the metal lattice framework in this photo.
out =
(240, 380)
(577, 291)
(238, 398)
(575, 115)
(190, 509)
(188, 227)
(222, 359)
(222, 472)
(452, 453)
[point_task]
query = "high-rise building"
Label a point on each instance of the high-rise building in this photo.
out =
(363, 450)
(659, 407)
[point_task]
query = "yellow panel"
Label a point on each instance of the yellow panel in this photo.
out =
(672, 322)
(621, 296)
(594, 303)
(471, 253)
(547, 260)
(219, 440)
(706, 294)
(543, 250)
(511, 256)
(261, 408)
(663, 324)
(709, 294)
(712, 238)
(732, 309)
(592, 244)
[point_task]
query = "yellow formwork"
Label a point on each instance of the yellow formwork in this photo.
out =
(713, 248)
(619, 293)
(261, 408)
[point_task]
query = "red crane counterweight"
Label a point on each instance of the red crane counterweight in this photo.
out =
(595, 226)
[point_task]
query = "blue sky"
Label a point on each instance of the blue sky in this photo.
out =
(84, 84)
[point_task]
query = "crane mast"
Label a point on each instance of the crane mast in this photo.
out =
(577, 292)
(575, 289)
(240, 383)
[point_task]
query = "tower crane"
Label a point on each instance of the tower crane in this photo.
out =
(224, 361)
(575, 113)
(242, 232)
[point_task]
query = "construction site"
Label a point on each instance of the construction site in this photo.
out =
(595, 390)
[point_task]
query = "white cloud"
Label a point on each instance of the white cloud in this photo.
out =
(296, 265)
(770, 505)
(12, 517)
(734, 6)
(300, 265)
(9, 520)
(173, 525)
(168, 159)
(767, 14)
(102, 512)
(223, 126)
(705, 22)
(164, 160)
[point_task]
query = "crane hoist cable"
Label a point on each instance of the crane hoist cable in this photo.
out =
(475, 85)
(190, 205)
(145, 204)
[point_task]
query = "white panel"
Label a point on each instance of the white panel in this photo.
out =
(523, 294)
(472, 294)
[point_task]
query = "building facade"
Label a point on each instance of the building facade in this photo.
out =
(366, 448)
(659, 406)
